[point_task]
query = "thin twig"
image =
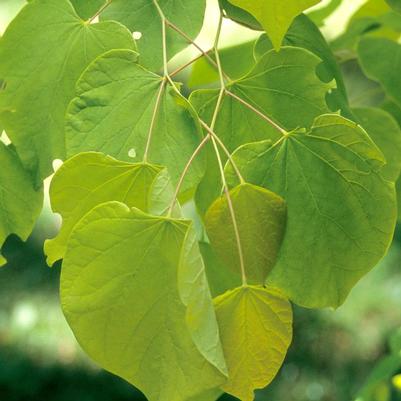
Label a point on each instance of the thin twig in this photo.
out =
(259, 113)
(217, 152)
(185, 172)
(226, 151)
(232, 213)
(193, 43)
(187, 64)
(105, 5)
(153, 121)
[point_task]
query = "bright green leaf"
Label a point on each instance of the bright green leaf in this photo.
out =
(114, 113)
(261, 218)
(256, 331)
(43, 53)
(20, 202)
(88, 180)
(386, 134)
(131, 318)
(275, 16)
(279, 82)
(341, 212)
(142, 16)
(304, 33)
(381, 61)
(87, 8)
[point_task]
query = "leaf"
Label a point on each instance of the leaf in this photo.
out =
(113, 113)
(20, 202)
(161, 195)
(363, 92)
(219, 277)
(195, 295)
(381, 61)
(395, 5)
(43, 53)
(131, 318)
(142, 16)
(275, 16)
(261, 216)
(304, 33)
(386, 134)
(87, 8)
(341, 212)
(240, 16)
(279, 82)
(88, 180)
(256, 331)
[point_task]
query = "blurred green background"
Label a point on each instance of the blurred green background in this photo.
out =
(332, 355)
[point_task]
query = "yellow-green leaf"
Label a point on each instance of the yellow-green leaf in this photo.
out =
(275, 15)
(261, 216)
(256, 330)
(89, 179)
(128, 294)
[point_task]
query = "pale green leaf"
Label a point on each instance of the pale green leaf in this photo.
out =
(275, 16)
(142, 16)
(88, 180)
(120, 291)
(341, 212)
(161, 195)
(386, 134)
(256, 331)
(196, 296)
(87, 8)
(113, 113)
(43, 53)
(261, 218)
(279, 82)
(20, 202)
(381, 61)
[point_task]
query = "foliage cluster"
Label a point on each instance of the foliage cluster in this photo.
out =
(292, 170)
